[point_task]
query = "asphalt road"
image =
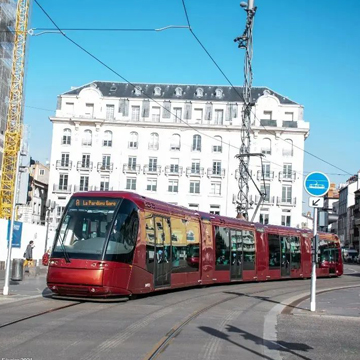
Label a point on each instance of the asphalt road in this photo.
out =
(238, 324)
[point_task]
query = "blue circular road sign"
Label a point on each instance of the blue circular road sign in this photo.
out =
(316, 184)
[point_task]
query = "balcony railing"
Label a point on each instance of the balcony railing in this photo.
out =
(215, 173)
(84, 165)
(131, 169)
(286, 201)
(103, 188)
(78, 188)
(266, 122)
(287, 176)
(289, 124)
(190, 171)
(62, 188)
(173, 170)
(156, 170)
(63, 164)
(268, 175)
(269, 200)
(104, 167)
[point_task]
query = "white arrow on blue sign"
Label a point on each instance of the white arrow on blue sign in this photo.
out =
(316, 184)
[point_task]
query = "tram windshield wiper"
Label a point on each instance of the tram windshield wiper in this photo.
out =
(66, 255)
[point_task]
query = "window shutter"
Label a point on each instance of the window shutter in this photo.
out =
(121, 106)
(167, 109)
(146, 108)
(228, 116)
(234, 110)
(208, 111)
(126, 107)
(188, 111)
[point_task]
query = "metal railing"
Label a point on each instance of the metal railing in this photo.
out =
(63, 164)
(78, 188)
(173, 170)
(268, 175)
(287, 176)
(285, 201)
(84, 165)
(131, 169)
(104, 167)
(215, 173)
(266, 122)
(156, 170)
(62, 188)
(190, 171)
(289, 124)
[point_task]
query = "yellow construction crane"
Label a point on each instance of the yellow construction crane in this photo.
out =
(13, 131)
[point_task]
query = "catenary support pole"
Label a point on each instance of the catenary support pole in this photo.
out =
(8, 260)
(313, 267)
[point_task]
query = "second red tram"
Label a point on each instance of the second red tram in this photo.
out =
(120, 244)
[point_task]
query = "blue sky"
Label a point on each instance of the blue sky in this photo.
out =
(306, 50)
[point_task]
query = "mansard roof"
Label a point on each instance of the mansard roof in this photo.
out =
(170, 91)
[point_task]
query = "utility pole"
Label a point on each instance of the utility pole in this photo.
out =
(245, 41)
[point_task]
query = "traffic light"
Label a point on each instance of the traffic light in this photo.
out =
(30, 188)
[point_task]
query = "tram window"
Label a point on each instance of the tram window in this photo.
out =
(274, 251)
(192, 245)
(295, 249)
(123, 235)
(328, 252)
(222, 248)
(249, 249)
(150, 241)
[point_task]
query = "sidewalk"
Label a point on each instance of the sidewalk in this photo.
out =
(332, 330)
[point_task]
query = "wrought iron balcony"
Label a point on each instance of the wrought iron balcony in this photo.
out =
(285, 201)
(155, 170)
(269, 200)
(173, 170)
(102, 188)
(289, 124)
(191, 171)
(62, 188)
(84, 165)
(287, 176)
(63, 164)
(131, 169)
(268, 175)
(104, 167)
(266, 122)
(215, 173)
(79, 188)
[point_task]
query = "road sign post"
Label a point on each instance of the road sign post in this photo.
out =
(316, 185)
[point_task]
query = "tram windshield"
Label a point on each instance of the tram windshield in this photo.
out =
(91, 224)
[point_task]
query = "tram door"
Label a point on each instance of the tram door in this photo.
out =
(285, 255)
(236, 260)
(162, 260)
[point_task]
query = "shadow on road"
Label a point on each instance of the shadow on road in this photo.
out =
(271, 345)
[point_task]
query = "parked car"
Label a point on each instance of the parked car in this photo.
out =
(358, 259)
(350, 255)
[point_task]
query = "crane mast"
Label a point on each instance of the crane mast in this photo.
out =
(13, 131)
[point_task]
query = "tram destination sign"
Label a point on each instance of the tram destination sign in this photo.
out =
(316, 184)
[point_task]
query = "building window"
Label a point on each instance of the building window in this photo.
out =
(65, 160)
(266, 170)
(288, 148)
(289, 116)
(219, 93)
(266, 146)
(178, 91)
(198, 114)
(199, 92)
(196, 143)
(84, 183)
(175, 142)
(174, 166)
(151, 185)
(157, 91)
(194, 207)
(154, 141)
(69, 108)
(131, 184)
(104, 183)
(286, 194)
(216, 168)
(107, 138)
(177, 115)
(264, 219)
(89, 110)
(63, 181)
(195, 167)
(156, 114)
(135, 113)
(85, 161)
(41, 172)
(173, 186)
(137, 90)
(218, 144)
(265, 190)
(215, 209)
(287, 171)
(87, 139)
(219, 116)
(133, 141)
(106, 161)
(285, 220)
(215, 188)
(110, 110)
(59, 211)
(194, 187)
(66, 138)
(153, 164)
(267, 115)
(132, 163)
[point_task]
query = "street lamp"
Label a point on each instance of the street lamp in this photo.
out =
(50, 206)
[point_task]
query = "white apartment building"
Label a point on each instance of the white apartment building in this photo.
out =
(178, 147)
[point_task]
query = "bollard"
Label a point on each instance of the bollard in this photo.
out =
(17, 269)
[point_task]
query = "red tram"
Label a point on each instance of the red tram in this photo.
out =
(121, 243)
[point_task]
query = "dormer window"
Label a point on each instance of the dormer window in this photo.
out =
(137, 90)
(219, 93)
(199, 92)
(157, 91)
(178, 91)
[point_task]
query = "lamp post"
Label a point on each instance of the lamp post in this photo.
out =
(50, 206)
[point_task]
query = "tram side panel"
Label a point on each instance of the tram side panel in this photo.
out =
(262, 254)
(207, 252)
